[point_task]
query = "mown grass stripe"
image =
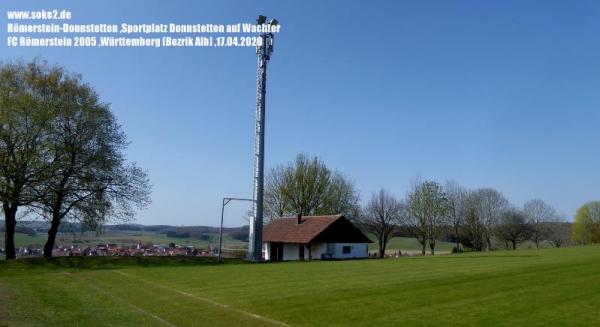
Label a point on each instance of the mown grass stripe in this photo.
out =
(117, 299)
(206, 300)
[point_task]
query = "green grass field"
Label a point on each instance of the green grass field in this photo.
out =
(24, 239)
(506, 288)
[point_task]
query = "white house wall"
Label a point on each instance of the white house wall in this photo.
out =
(358, 250)
(290, 251)
(317, 250)
(267, 250)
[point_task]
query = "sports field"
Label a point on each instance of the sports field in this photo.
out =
(527, 287)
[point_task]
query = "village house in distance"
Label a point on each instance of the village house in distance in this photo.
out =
(313, 237)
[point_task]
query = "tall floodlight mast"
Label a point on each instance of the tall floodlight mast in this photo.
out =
(263, 51)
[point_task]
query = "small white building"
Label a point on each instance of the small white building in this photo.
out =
(314, 237)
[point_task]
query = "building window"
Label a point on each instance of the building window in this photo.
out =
(346, 249)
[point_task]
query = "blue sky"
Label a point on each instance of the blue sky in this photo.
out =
(503, 94)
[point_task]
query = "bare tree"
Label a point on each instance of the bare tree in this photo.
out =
(473, 228)
(275, 204)
(380, 217)
(538, 212)
(557, 230)
(457, 208)
(513, 227)
(491, 205)
(427, 210)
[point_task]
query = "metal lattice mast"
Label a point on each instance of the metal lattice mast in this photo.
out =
(263, 51)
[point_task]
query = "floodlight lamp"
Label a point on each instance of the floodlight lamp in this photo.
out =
(261, 19)
(273, 22)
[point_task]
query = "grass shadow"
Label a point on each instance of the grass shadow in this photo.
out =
(488, 256)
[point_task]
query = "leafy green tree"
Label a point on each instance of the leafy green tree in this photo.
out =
(341, 197)
(89, 179)
(427, 213)
(61, 152)
(586, 229)
(307, 186)
(24, 124)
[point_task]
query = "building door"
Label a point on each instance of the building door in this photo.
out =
(330, 250)
(276, 252)
(301, 251)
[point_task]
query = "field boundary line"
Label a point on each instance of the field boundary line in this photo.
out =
(116, 298)
(206, 300)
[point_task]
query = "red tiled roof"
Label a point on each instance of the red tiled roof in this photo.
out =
(287, 230)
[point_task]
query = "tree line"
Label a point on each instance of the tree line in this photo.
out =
(61, 153)
(476, 219)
